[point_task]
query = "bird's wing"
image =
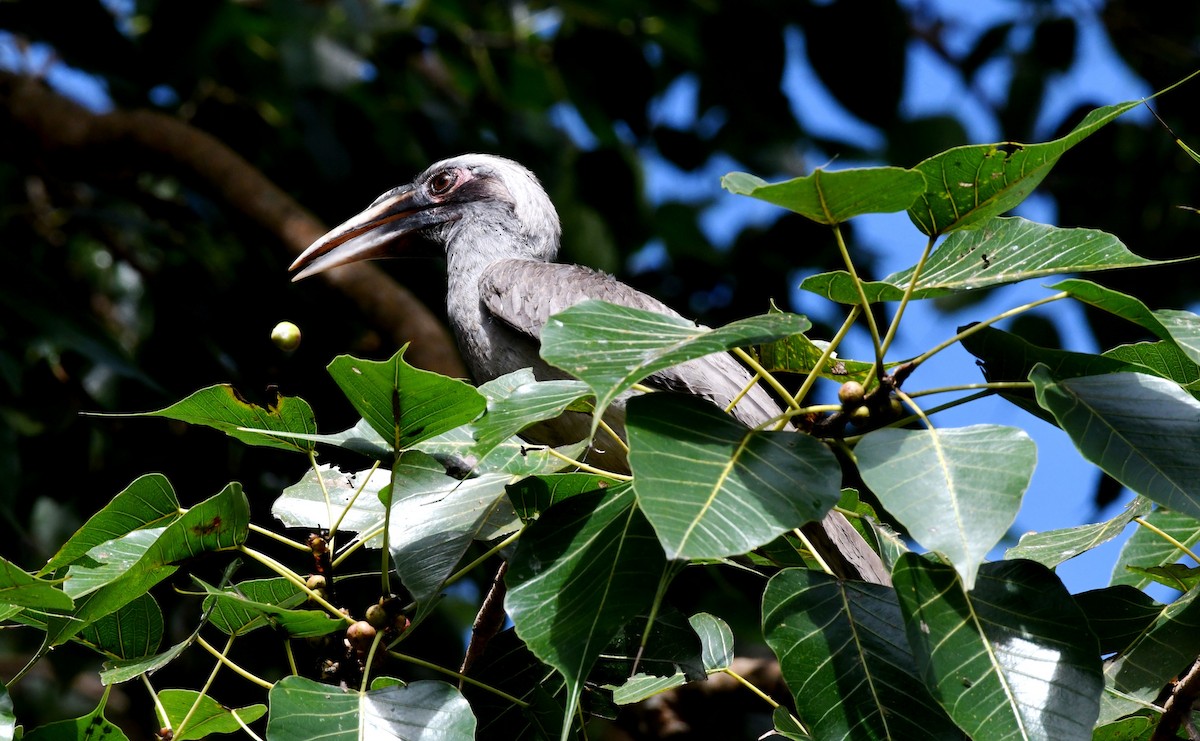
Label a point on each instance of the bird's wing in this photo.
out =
(525, 293)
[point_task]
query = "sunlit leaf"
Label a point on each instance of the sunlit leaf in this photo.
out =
(798, 354)
(998, 252)
(1012, 658)
(1161, 358)
(128, 566)
(18, 587)
(535, 494)
(1179, 327)
(956, 491)
(435, 518)
(970, 184)
(833, 197)
(267, 602)
(1165, 647)
(713, 488)
(1147, 548)
(1142, 430)
(843, 652)
(392, 392)
(304, 503)
(205, 715)
(612, 347)
(302, 709)
(1052, 547)
(148, 501)
(580, 572)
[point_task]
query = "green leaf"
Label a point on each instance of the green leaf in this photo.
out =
(612, 347)
(256, 604)
(713, 488)
(435, 518)
(91, 727)
(1142, 430)
(1176, 576)
(835, 197)
(1118, 616)
(209, 716)
(798, 354)
(970, 184)
(123, 670)
(843, 654)
(302, 709)
(1146, 548)
(147, 502)
(128, 566)
(957, 491)
(535, 494)
(1052, 547)
(1006, 357)
(1138, 727)
(223, 408)
(1160, 358)
(1179, 327)
(392, 392)
(132, 632)
(304, 503)
(8, 720)
(18, 587)
(998, 252)
(1012, 658)
(667, 654)
(516, 401)
(1165, 647)
(580, 573)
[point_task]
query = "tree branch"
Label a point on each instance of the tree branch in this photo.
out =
(1178, 707)
(64, 135)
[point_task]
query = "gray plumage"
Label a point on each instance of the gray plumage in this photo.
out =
(501, 234)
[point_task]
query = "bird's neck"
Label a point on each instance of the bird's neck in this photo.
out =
(489, 347)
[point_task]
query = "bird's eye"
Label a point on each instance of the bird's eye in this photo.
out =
(441, 183)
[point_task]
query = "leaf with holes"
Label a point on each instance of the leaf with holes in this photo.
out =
(967, 185)
(998, 252)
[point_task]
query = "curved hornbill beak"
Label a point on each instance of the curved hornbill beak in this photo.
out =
(384, 228)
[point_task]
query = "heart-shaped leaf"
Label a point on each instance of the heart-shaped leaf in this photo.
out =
(957, 491)
(1011, 659)
(713, 488)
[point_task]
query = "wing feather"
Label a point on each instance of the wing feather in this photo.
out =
(525, 293)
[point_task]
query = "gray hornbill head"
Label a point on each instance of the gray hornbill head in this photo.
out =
(476, 206)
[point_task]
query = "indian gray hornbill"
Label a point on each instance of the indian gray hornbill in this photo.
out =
(501, 234)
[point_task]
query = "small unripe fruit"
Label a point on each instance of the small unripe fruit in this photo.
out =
(286, 336)
(851, 395)
(360, 635)
(378, 617)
